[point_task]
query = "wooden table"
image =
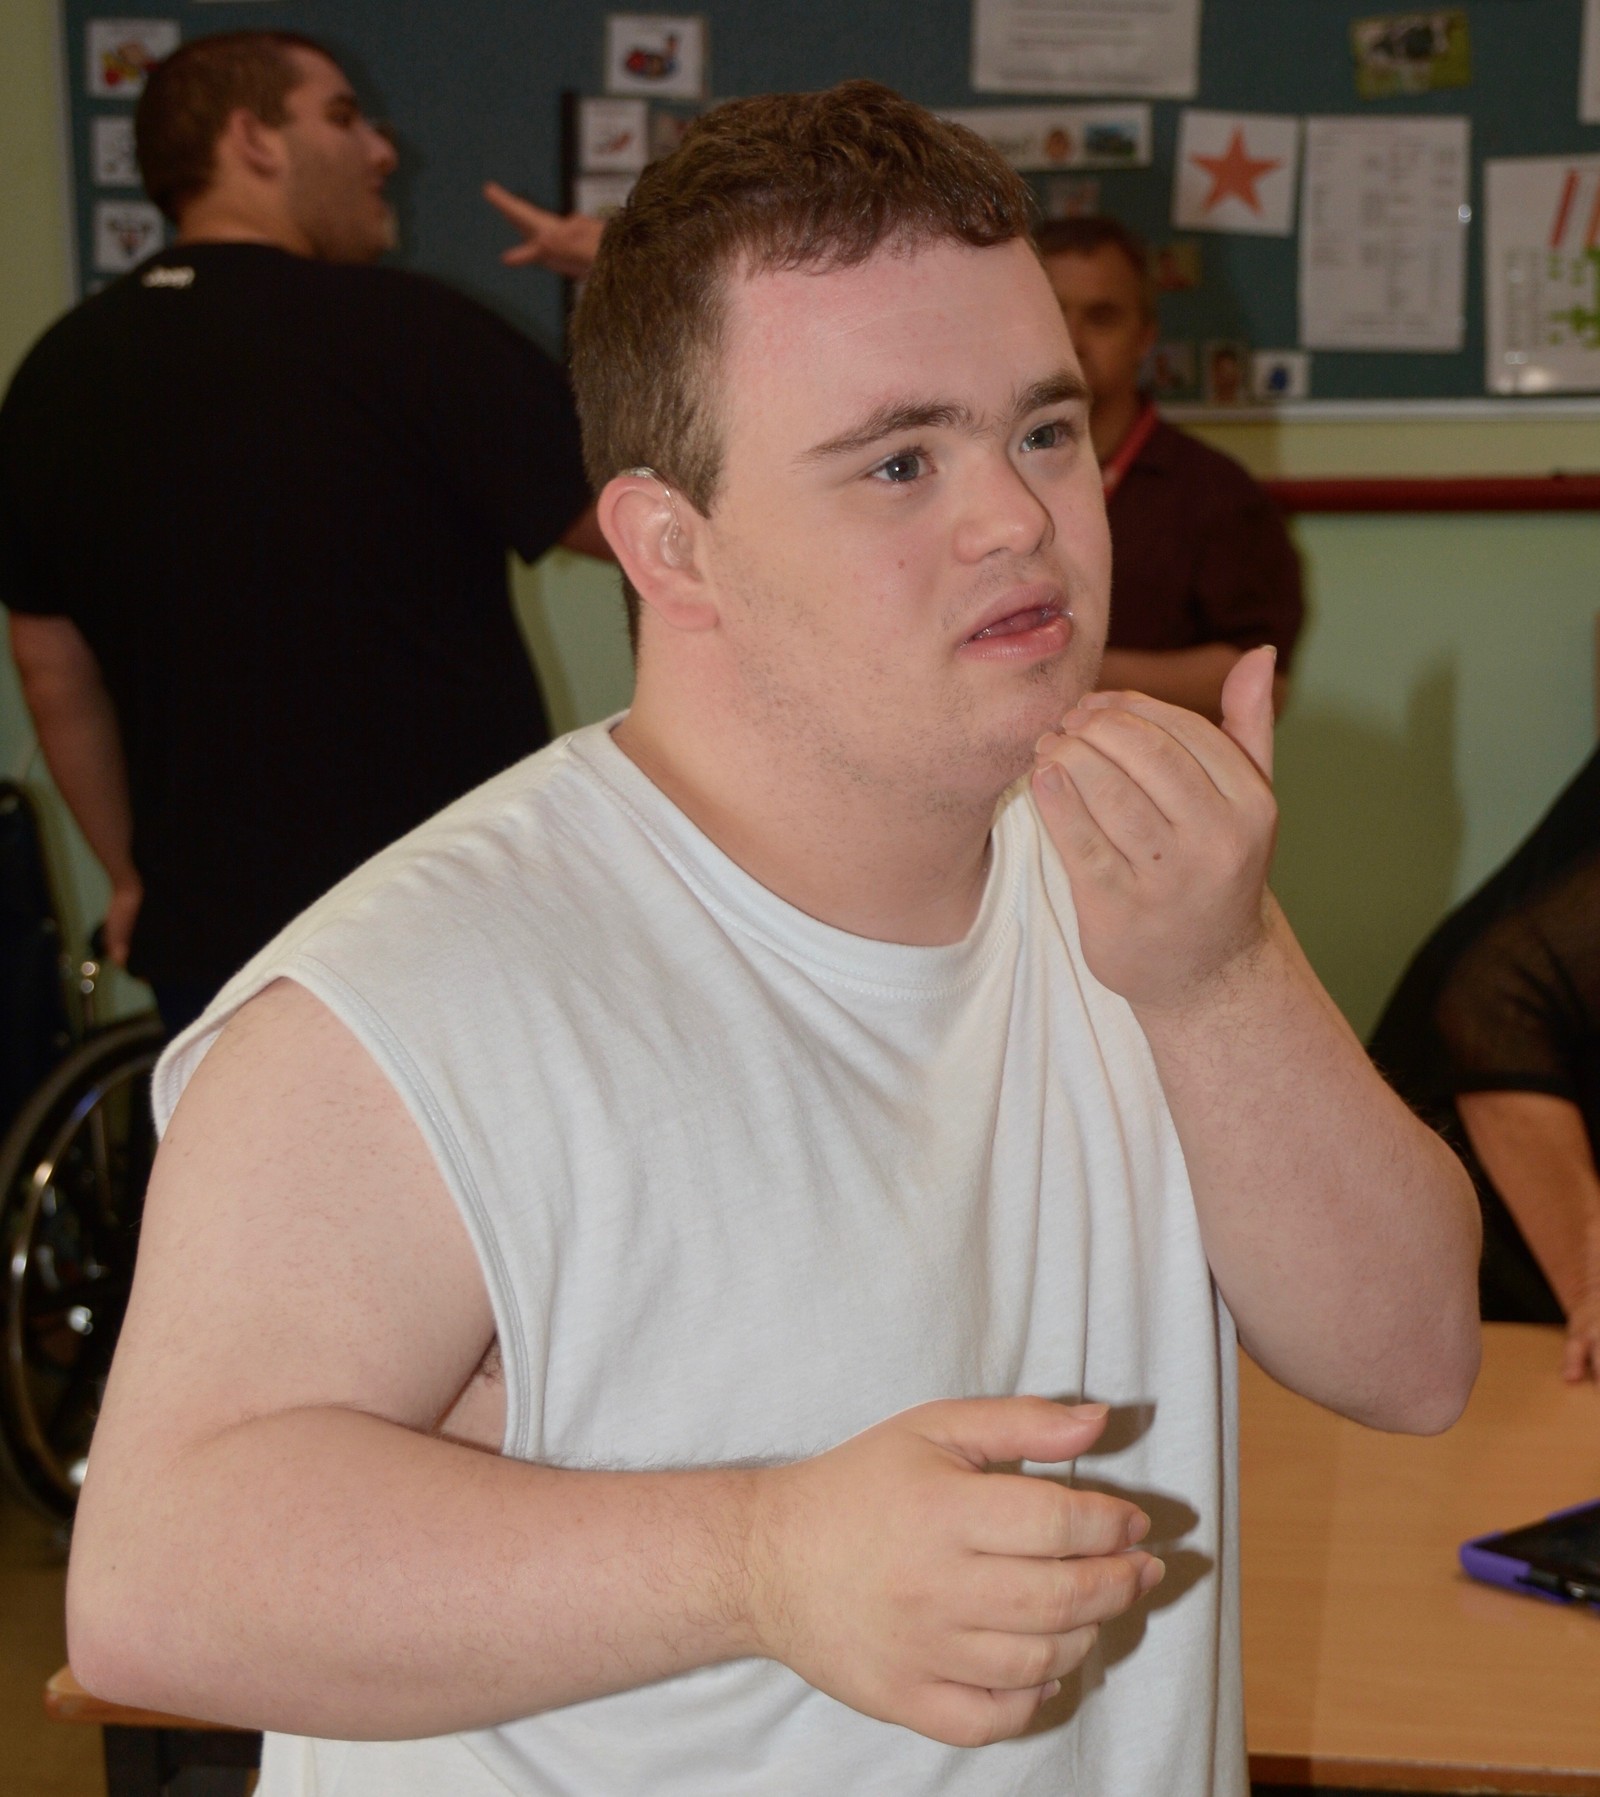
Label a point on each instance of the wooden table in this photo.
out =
(1371, 1661)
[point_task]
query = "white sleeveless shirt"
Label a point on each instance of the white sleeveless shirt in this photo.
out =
(742, 1185)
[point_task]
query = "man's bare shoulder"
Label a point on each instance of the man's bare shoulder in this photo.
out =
(299, 1245)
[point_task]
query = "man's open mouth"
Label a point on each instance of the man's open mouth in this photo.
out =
(1034, 618)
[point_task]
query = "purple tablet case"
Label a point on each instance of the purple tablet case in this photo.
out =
(1481, 1561)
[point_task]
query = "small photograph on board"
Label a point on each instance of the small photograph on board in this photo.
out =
(1410, 53)
(1236, 172)
(1227, 364)
(656, 53)
(122, 51)
(613, 136)
(1277, 374)
(601, 196)
(1169, 374)
(1050, 137)
(125, 232)
(1175, 266)
(1071, 196)
(111, 150)
(667, 129)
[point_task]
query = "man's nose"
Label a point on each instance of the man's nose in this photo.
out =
(1002, 512)
(385, 154)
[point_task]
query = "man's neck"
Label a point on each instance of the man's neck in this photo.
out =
(217, 220)
(1111, 419)
(846, 852)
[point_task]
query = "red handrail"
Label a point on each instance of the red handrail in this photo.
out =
(1450, 493)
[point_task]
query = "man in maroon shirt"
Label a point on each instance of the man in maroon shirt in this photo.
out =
(1202, 568)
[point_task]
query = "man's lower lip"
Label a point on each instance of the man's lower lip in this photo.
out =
(1048, 637)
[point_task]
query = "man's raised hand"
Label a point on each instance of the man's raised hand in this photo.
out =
(565, 243)
(1165, 825)
(899, 1575)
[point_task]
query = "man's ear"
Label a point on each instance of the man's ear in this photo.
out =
(252, 146)
(659, 540)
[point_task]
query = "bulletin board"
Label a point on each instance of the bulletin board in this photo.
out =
(473, 89)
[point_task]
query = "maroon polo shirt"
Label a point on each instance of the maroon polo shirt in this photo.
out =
(1199, 554)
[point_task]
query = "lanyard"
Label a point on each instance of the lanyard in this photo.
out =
(1128, 449)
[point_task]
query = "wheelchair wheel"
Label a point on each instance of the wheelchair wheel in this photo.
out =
(73, 1171)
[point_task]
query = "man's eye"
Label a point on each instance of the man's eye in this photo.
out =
(1057, 434)
(899, 469)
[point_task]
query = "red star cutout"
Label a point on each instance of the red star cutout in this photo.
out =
(1235, 172)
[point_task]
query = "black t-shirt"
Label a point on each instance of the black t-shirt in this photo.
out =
(276, 496)
(1505, 997)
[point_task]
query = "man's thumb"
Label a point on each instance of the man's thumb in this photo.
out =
(991, 1431)
(1247, 714)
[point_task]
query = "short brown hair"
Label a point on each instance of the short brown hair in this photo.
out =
(783, 181)
(189, 97)
(1084, 236)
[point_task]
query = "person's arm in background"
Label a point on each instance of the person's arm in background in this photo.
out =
(1189, 677)
(1247, 591)
(1518, 1017)
(564, 244)
(1535, 1148)
(78, 733)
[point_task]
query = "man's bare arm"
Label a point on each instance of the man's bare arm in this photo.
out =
(78, 733)
(1342, 1232)
(1535, 1148)
(1192, 678)
(276, 1530)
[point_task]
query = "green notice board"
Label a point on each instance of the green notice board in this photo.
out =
(473, 88)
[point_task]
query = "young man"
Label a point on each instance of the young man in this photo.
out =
(255, 506)
(1204, 570)
(606, 1254)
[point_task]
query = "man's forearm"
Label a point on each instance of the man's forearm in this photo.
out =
(398, 1585)
(1343, 1233)
(82, 746)
(1192, 678)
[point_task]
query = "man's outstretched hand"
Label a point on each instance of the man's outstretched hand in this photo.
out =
(564, 243)
(1165, 824)
(899, 1575)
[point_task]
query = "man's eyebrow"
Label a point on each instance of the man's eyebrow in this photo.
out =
(1058, 389)
(896, 417)
(891, 419)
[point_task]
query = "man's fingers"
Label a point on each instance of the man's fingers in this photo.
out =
(1019, 1514)
(990, 1430)
(1161, 766)
(972, 1716)
(1247, 712)
(1004, 1662)
(1041, 1596)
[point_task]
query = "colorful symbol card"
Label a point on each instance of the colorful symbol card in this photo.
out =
(121, 51)
(1236, 172)
(656, 53)
(1541, 274)
(125, 232)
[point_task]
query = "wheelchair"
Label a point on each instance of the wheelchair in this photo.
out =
(74, 1165)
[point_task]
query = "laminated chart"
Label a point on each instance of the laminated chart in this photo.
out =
(1542, 274)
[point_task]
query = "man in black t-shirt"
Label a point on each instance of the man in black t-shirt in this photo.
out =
(1494, 1036)
(255, 505)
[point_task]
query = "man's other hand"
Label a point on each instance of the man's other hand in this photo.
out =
(899, 1575)
(565, 244)
(1165, 824)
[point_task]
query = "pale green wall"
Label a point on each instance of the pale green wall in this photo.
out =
(1444, 691)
